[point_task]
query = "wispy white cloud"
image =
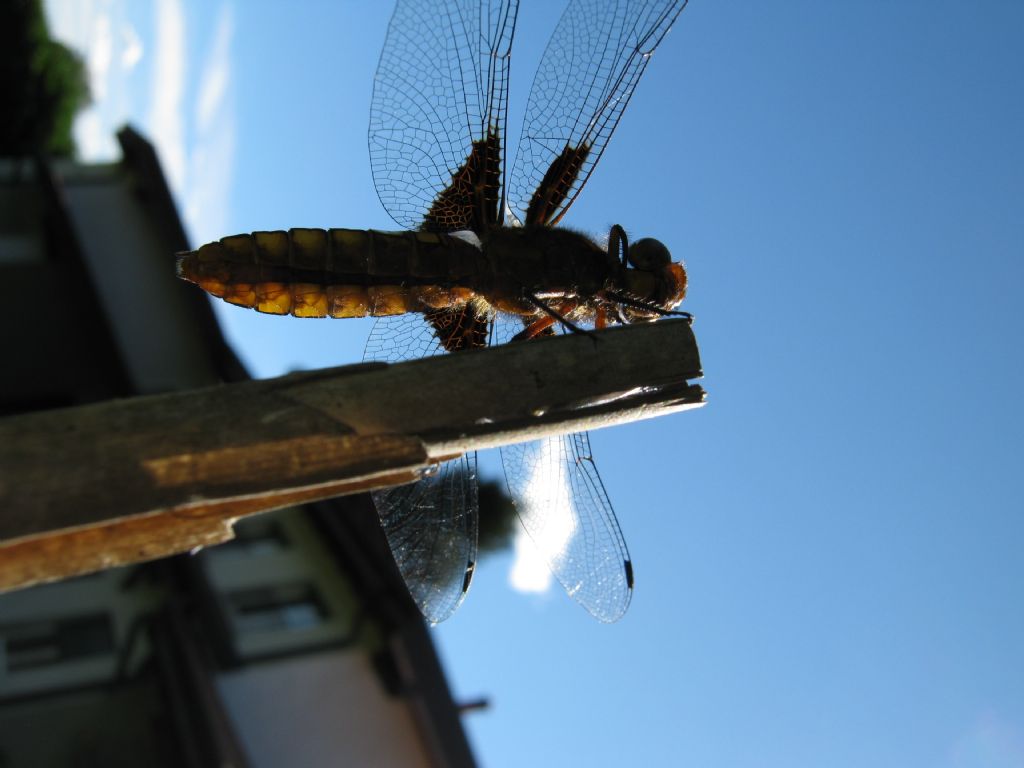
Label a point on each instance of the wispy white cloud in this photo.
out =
(131, 48)
(165, 121)
(100, 55)
(111, 48)
(216, 78)
(94, 137)
(193, 128)
(85, 26)
(990, 742)
(211, 165)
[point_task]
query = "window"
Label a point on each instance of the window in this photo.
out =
(287, 607)
(40, 643)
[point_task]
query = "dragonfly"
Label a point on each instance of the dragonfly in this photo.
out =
(481, 261)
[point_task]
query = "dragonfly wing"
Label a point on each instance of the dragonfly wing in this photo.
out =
(431, 525)
(437, 117)
(431, 528)
(587, 75)
(564, 508)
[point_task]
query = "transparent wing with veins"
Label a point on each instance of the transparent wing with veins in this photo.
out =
(587, 75)
(563, 506)
(431, 525)
(437, 115)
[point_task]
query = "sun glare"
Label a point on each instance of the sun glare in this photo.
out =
(544, 508)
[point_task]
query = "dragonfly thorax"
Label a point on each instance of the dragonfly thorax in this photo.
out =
(546, 262)
(579, 277)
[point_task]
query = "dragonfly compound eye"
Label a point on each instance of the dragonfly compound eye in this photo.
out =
(648, 254)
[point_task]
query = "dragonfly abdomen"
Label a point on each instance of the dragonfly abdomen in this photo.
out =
(337, 272)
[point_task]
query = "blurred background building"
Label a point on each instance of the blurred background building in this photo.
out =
(295, 644)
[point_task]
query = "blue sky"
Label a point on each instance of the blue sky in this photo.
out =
(828, 556)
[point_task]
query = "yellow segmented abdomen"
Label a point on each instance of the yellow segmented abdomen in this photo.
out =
(336, 272)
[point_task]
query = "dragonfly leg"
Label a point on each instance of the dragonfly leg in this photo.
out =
(645, 306)
(537, 328)
(618, 242)
(542, 324)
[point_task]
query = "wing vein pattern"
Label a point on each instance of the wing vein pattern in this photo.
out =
(431, 525)
(587, 75)
(563, 506)
(441, 87)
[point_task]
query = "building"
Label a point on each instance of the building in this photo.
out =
(294, 644)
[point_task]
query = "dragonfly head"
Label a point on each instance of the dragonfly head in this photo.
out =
(654, 285)
(648, 254)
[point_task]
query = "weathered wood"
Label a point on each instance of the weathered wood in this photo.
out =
(120, 481)
(84, 549)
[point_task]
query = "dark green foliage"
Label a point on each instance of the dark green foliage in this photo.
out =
(42, 84)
